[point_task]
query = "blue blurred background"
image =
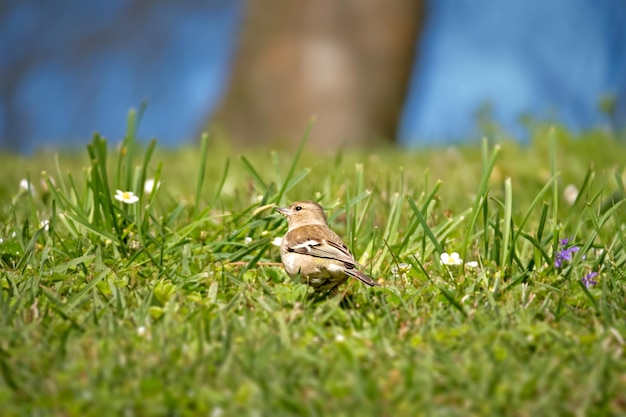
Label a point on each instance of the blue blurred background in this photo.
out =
(71, 68)
(550, 60)
(413, 73)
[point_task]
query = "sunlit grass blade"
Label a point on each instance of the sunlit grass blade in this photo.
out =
(204, 144)
(452, 299)
(92, 227)
(123, 173)
(143, 176)
(538, 199)
(422, 221)
(220, 184)
(294, 162)
(255, 175)
(555, 186)
(59, 181)
(143, 224)
(102, 201)
(390, 233)
(539, 248)
(482, 192)
(505, 256)
(29, 249)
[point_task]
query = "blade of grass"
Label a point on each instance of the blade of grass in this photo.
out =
(427, 231)
(254, 173)
(555, 187)
(294, 162)
(220, 185)
(129, 145)
(505, 257)
(452, 299)
(483, 191)
(29, 250)
(204, 144)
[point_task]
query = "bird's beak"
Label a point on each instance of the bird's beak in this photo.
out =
(284, 211)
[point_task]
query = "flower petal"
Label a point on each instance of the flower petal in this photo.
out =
(444, 257)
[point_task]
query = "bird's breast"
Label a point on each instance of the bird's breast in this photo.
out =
(297, 264)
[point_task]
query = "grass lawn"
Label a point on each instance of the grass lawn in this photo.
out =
(176, 304)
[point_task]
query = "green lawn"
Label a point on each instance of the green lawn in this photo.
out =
(175, 305)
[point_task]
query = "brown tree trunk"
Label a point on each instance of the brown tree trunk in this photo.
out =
(347, 62)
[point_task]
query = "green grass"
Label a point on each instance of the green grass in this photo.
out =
(175, 305)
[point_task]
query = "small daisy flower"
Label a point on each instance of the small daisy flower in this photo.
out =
(26, 186)
(44, 224)
(217, 412)
(451, 259)
(149, 185)
(278, 241)
(247, 240)
(471, 265)
(141, 331)
(400, 270)
(127, 197)
(570, 193)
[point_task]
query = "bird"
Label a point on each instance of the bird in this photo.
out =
(313, 252)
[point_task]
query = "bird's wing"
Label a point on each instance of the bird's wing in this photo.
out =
(315, 241)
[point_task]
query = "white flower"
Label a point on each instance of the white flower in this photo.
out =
(277, 241)
(471, 264)
(339, 338)
(141, 330)
(570, 193)
(451, 259)
(217, 412)
(247, 240)
(134, 245)
(24, 184)
(127, 197)
(44, 224)
(149, 185)
(400, 269)
(27, 186)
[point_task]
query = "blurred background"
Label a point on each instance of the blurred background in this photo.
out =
(415, 73)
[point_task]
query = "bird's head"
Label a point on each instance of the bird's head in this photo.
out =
(303, 213)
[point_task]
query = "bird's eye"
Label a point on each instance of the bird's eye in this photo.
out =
(298, 208)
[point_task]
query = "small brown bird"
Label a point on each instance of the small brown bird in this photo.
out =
(312, 251)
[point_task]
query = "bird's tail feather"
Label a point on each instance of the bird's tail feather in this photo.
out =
(365, 279)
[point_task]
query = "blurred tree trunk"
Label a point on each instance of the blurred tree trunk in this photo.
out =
(346, 62)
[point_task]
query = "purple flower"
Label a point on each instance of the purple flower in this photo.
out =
(588, 280)
(565, 254)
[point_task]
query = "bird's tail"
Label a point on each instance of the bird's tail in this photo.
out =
(365, 279)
